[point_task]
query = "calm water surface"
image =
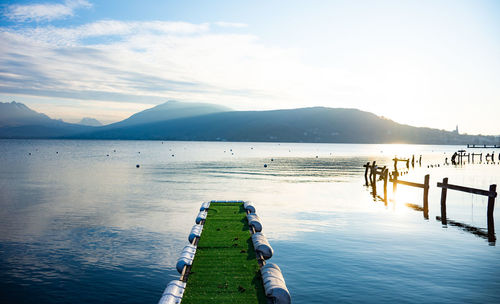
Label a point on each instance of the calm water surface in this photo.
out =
(80, 223)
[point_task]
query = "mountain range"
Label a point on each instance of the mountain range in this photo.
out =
(207, 122)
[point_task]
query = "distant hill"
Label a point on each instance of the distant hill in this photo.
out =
(17, 114)
(88, 121)
(169, 110)
(182, 121)
(318, 124)
(19, 121)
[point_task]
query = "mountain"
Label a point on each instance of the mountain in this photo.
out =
(169, 110)
(88, 121)
(17, 114)
(318, 124)
(187, 121)
(19, 121)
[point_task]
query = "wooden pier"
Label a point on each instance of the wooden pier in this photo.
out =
(372, 171)
(482, 146)
(491, 194)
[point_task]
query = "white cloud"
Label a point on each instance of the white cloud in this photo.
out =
(44, 11)
(151, 62)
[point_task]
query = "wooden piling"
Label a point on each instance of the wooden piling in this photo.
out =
(386, 173)
(374, 179)
(395, 181)
(444, 190)
(372, 172)
(366, 172)
(426, 196)
(491, 207)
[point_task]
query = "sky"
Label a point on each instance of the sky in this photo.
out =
(423, 63)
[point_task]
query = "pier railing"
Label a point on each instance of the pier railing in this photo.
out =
(491, 194)
(373, 173)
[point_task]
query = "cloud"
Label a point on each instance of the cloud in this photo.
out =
(44, 11)
(152, 61)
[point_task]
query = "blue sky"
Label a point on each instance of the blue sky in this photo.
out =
(424, 63)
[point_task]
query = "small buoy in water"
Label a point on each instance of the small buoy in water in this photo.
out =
(316, 156)
(272, 159)
(230, 149)
(107, 154)
(137, 166)
(139, 152)
(114, 150)
(172, 155)
(29, 153)
(265, 165)
(57, 152)
(232, 153)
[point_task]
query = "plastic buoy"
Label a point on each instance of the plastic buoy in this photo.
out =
(29, 153)
(265, 165)
(249, 207)
(137, 166)
(272, 159)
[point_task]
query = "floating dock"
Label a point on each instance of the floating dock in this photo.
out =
(225, 261)
(482, 146)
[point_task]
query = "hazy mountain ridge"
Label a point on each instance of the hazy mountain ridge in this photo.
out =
(169, 110)
(298, 125)
(89, 121)
(17, 114)
(182, 121)
(19, 121)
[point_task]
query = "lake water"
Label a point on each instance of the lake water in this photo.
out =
(80, 223)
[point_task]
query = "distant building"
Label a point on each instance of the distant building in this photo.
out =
(456, 130)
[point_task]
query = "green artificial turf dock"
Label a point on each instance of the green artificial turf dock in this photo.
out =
(225, 269)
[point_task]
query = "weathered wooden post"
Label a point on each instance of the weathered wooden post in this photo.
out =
(420, 161)
(374, 179)
(443, 201)
(426, 196)
(394, 181)
(395, 163)
(386, 173)
(491, 206)
(413, 161)
(372, 170)
(366, 172)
